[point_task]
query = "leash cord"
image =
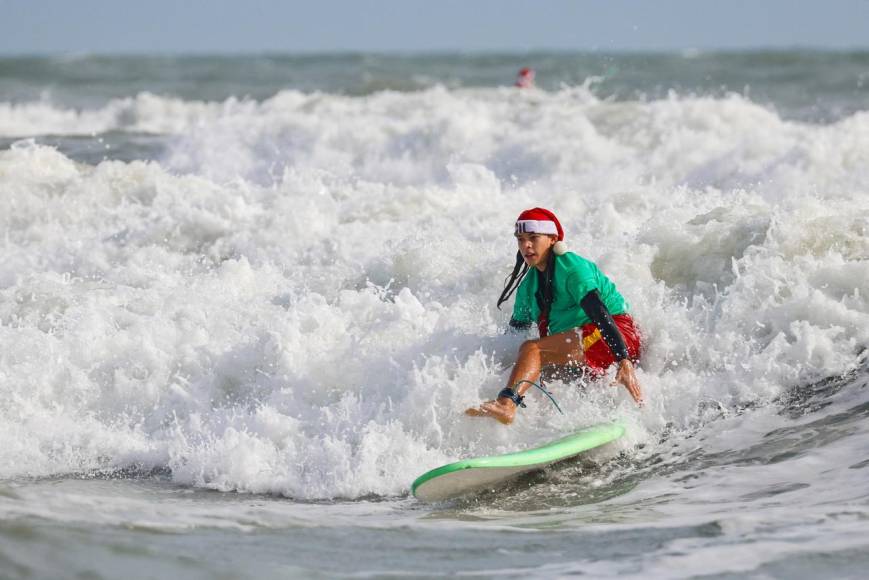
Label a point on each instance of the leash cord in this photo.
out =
(545, 392)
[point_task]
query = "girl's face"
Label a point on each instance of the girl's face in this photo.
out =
(535, 248)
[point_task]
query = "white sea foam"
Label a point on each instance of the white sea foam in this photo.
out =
(299, 298)
(144, 113)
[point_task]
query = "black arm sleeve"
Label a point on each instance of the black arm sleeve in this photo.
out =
(597, 311)
(519, 324)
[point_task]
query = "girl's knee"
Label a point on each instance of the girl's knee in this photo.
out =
(529, 346)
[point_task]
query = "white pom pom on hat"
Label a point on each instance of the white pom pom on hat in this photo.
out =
(538, 220)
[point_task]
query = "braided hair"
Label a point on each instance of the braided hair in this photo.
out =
(511, 282)
(545, 293)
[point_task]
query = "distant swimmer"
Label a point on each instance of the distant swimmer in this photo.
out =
(525, 78)
(582, 318)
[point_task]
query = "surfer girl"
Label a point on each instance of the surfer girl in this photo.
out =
(525, 78)
(582, 318)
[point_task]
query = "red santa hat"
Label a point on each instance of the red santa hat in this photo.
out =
(542, 221)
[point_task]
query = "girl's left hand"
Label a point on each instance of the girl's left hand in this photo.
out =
(628, 378)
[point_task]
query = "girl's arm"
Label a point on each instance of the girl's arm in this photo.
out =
(597, 311)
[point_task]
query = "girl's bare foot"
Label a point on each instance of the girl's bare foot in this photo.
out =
(503, 410)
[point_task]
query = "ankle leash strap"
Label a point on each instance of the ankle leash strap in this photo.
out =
(513, 396)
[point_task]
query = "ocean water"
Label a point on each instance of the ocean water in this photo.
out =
(244, 301)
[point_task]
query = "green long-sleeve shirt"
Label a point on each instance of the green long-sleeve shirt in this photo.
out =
(574, 278)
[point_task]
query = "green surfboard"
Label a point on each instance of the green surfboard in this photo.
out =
(475, 474)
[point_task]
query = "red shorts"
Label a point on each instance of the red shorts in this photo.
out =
(598, 356)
